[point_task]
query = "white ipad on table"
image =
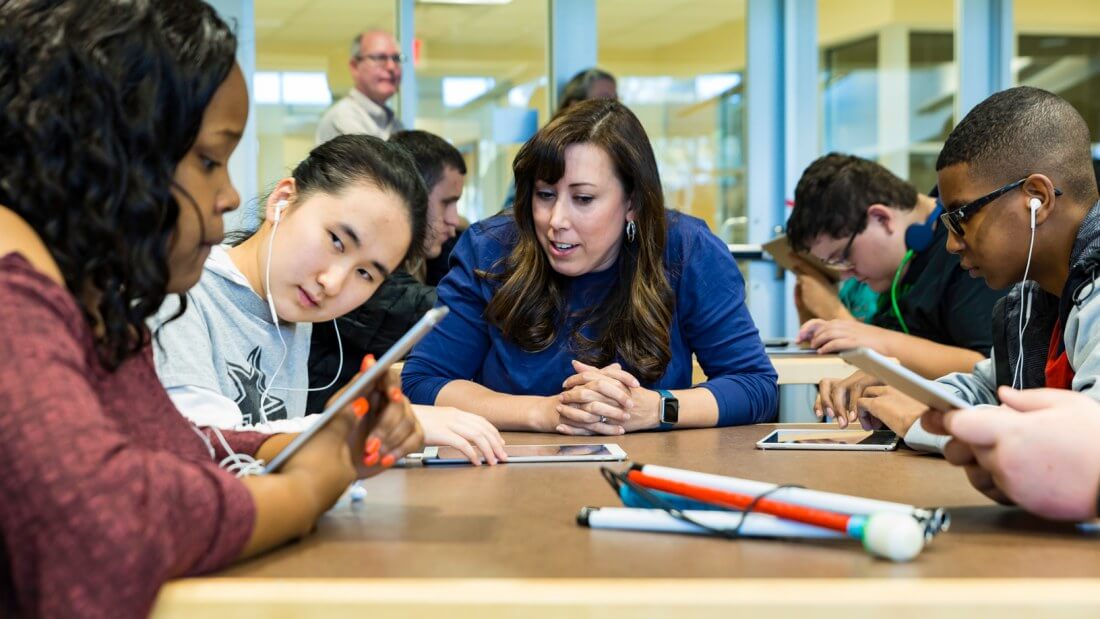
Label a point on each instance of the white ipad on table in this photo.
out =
(576, 452)
(790, 350)
(829, 440)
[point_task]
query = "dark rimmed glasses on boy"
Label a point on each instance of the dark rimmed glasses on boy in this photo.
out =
(842, 261)
(953, 220)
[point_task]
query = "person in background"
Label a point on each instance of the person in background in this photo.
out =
(435, 269)
(592, 83)
(106, 208)
(588, 84)
(375, 66)
(579, 312)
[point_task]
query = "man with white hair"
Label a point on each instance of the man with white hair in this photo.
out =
(375, 66)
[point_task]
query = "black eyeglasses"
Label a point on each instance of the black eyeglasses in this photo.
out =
(842, 261)
(382, 58)
(954, 220)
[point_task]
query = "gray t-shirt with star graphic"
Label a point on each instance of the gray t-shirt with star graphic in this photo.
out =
(218, 358)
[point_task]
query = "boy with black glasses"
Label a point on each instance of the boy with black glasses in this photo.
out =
(859, 217)
(1020, 199)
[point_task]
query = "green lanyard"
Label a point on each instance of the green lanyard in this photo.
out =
(894, 290)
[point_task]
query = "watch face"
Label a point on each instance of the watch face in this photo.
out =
(670, 412)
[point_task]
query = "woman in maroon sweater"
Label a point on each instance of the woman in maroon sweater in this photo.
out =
(117, 118)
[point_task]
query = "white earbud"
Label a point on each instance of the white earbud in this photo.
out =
(279, 206)
(1033, 205)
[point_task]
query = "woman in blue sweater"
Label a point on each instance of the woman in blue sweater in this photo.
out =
(579, 312)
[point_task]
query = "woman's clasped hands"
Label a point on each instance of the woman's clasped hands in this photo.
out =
(606, 401)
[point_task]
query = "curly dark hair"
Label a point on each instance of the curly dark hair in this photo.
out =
(834, 193)
(99, 101)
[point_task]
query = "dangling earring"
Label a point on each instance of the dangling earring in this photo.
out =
(631, 230)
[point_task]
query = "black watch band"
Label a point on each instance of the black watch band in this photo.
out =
(669, 412)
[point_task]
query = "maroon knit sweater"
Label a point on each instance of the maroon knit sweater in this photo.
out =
(107, 491)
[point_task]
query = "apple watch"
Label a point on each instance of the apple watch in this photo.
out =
(669, 409)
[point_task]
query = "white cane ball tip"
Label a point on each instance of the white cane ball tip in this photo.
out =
(893, 536)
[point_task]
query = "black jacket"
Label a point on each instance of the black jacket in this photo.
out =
(370, 329)
(1045, 312)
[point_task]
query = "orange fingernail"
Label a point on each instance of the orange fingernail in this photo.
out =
(395, 393)
(371, 459)
(388, 461)
(367, 362)
(373, 443)
(360, 407)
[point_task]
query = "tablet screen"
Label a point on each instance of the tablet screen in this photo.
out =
(790, 349)
(542, 451)
(832, 437)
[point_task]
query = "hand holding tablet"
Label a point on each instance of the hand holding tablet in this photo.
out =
(364, 390)
(899, 404)
(928, 392)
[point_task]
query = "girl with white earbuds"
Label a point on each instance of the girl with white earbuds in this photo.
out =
(330, 234)
(348, 216)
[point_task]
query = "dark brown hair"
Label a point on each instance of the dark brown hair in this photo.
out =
(632, 323)
(834, 193)
(360, 160)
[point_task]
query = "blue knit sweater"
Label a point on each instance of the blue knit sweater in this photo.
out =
(710, 321)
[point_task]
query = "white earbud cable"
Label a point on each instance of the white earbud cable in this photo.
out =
(1025, 309)
(243, 465)
(278, 330)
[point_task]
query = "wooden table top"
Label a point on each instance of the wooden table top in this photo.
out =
(519, 521)
(446, 526)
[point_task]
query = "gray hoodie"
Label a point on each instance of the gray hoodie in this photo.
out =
(217, 359)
